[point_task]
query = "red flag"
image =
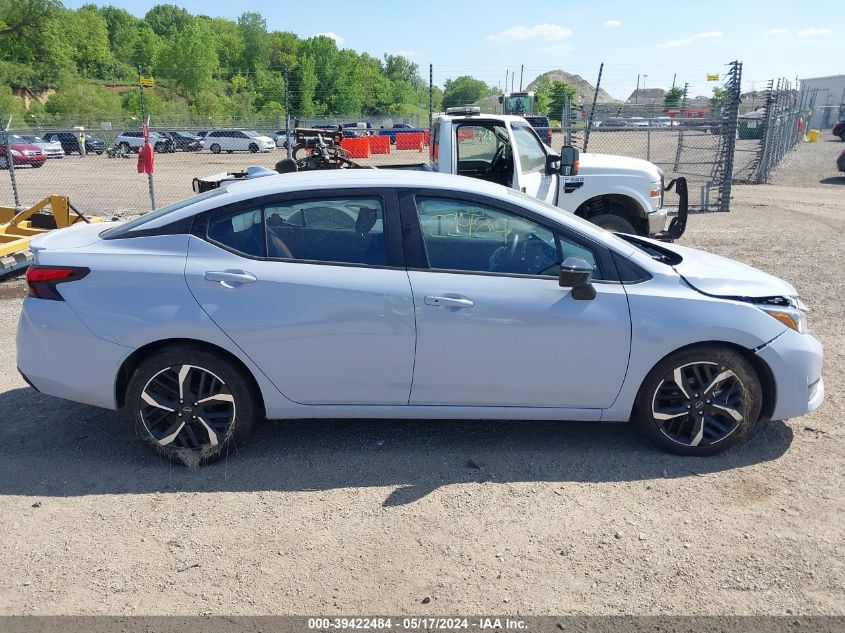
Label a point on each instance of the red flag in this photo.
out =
(145, 159)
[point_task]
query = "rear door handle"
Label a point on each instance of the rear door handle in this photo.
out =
(449, 302)
(230, 278)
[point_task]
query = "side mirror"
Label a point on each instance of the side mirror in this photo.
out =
(552, 164)
(577, 274)
(569, 161)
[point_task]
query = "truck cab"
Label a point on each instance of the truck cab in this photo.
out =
(616, 192)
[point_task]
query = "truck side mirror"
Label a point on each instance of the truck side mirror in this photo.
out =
(577, 274)
(569, 161)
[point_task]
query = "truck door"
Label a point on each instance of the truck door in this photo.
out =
(530, 165)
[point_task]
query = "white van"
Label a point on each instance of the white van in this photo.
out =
(237, 141)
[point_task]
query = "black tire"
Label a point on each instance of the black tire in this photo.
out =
(253, 148)
(613, 222)
(180, 429)
(215, 148)
(229, 151)
(711, 426)
(99, 153)
(842, 137)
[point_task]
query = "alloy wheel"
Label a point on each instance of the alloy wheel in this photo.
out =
(699, 404)
(185, 406)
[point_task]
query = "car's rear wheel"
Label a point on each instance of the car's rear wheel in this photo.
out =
(699, 401)
(253, 148)
(215, 148)
(191, 405)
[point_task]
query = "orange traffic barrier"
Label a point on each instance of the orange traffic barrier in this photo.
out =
(427, 137)
(357, 147)
(410, 140)
(379, 144)
(465, 134)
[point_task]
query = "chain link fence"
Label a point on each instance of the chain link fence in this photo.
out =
(711, 144)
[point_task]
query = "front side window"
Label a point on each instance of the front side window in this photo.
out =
(532, 156)
(338, 230)
(463, 235)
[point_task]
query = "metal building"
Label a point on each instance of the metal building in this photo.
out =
(826, 95)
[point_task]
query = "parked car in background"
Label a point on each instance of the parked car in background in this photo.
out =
(542, 126)
(184, 141)
(22, 154)
(288, 297)
(839, 129)
(70, 142)
(354, 130)
(134, 139)
(399, 128)
(237, 141)
(280, 138)
(51, 149)
(840, 162)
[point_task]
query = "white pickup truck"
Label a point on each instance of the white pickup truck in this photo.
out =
(616, 192)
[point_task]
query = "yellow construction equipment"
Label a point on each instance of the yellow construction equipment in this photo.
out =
(17, 228)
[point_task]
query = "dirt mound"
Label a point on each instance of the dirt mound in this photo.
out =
(585, 88)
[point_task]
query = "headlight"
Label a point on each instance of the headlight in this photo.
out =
(792, 314)
(16, 153)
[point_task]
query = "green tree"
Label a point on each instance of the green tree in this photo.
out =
(86, 101)
(672, 98)
(122, 28)
(305, 83)
(88, 34)
(398, 68)
(147, 47)
(543, 91)
(463, 90)
(282, 49)
(253, 31)
(719, 98)
(560, 92)
(168, 20)
(230, 46)
(191, 58)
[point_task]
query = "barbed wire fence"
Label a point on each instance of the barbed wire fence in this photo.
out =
(712, 146)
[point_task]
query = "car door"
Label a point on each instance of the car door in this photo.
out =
(240, 141)
(313, 289)
(494, 328)
(531, 173)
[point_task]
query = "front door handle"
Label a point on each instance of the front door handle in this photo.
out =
(449, 302)
(230, 278)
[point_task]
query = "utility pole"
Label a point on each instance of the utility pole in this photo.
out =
(675, 76)
(637, 91)
(430, 95)
(521, 69)
(287, 113)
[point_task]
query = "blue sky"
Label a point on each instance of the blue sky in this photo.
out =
(657, 39)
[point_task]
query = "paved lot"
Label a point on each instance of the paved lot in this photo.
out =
(518, 517)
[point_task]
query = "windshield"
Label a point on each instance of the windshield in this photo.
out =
(131, 225)
(252, 133)
(519, 104)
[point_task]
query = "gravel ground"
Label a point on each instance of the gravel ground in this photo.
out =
(512, 518)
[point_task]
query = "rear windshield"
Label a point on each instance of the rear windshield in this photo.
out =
(131, 225)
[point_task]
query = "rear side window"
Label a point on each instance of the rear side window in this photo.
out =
(242, 232)
(340, 230)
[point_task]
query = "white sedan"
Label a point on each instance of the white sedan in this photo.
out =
(395, 294)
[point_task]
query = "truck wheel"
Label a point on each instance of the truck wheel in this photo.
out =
(613, 223)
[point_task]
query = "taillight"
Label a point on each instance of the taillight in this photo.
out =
(42, 280)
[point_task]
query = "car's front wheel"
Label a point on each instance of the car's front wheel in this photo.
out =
(215, 148)
(191, 405)
(253, 148)
(699, 401)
